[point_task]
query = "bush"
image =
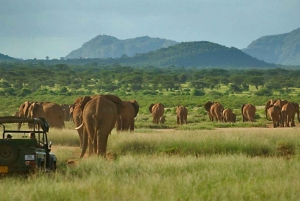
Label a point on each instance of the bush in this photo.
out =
(196, 92)
(264, 92)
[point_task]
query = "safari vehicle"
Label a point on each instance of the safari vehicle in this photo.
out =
(25, 150)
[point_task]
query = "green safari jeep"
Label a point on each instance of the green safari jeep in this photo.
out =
(26, 150)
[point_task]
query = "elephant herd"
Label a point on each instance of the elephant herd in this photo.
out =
(157, 111)
(282, 112)
(95, 116)
(216, 112)
(52, 112)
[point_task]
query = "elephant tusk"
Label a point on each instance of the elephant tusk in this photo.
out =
(79, 126)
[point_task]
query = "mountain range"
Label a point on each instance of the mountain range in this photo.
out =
(279, 49)
(104, 46)
(194, 54)
(142, 51)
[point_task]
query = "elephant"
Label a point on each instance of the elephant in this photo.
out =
(125, 120)
(67, 111)
(270, 102)
(52, 112)
(248, 112)
(228, 115)
(214, 110)
(23, 112)
(157, 111)
(162, 119)
(76, 111)
(274, 113)
(99, 117)
(267, 105)
(297, 110)
(288, 112)
(181, 114)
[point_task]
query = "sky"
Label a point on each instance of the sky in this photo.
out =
(38, 28)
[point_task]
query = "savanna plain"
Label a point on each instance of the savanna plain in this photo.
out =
(197, 161)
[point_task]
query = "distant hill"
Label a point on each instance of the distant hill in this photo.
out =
(280, 49)
(6, 58)
(104, 46)
(198, 54)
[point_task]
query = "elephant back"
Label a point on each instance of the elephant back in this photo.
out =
(116, 100)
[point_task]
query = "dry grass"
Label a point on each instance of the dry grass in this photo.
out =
(145, 166)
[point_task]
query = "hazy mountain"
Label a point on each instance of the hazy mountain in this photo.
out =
(104, 46)
(280, 49)
(198, 54)
(6, 58)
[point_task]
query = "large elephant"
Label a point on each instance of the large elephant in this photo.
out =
(99, 117)
(274, 113)
(248, 112)
(157, 111)
(288, 112)
(125, 120)
(214, 110)
(181, 114)
(228, 115)
(76, 110)
(52, 112)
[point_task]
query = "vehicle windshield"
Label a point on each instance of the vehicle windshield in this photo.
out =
(8, 129)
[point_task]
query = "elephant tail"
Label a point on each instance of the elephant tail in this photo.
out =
(79, 127)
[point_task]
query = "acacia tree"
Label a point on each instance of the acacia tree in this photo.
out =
(255, 81)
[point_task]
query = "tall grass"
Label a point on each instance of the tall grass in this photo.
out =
(169, 164)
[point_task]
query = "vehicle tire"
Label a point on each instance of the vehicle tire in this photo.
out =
(8, 154)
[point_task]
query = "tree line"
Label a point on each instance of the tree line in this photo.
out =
(22, 79)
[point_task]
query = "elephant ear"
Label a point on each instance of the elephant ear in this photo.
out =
(242, 107)
(117, 101)
(150, 107)
(84, 101)
(27, 105)
(135, 106)
(33, 109)
(21, 109)
(207, 105)
(77, 101)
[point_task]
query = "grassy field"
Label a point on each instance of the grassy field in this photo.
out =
(240, 163)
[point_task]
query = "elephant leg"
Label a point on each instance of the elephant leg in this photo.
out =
(91, 135)
(102, 141)
(132, 126)
(79, 131)
(293, 122)
(119, 124)
(85, 143)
